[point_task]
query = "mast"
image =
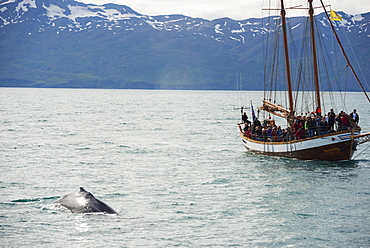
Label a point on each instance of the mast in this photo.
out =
(314, 55)
(287, 63)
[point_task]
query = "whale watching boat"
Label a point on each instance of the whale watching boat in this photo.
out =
(300, 94)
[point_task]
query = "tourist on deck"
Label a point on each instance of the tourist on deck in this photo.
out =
(323, 127)
(247, 131)
(300, 133)
(296, 125)
(355, 116)
(246, 128)
(253, 129)
(269, 133)
(331, 119)
(279, 134)
(345, 124)
(338, 119)
(283, 135)
(257, 123)
(274, 134)
(290, 134)
(245, 118)
(258, 133)
(318, 121)
(310, 125)
(264, 135)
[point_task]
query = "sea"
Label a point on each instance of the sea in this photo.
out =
(172, 164)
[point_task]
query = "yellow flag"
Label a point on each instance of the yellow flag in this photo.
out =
(334, 16)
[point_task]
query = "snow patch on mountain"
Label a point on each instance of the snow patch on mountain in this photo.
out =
(357, 18)
(7, 2)
(296, 26)
(5, 22)
(54, 12)
(241, 30)
(218, 29)
(324, 22)
(25, 4)
(155, 24)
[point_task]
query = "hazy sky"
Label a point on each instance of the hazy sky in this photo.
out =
(235, 9)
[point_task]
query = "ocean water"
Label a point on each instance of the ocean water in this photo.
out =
(172, 165)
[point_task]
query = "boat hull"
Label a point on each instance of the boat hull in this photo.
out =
(331, 147)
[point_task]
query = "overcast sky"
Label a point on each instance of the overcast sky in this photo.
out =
(235, 9)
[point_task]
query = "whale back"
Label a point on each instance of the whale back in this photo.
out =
(84, 202)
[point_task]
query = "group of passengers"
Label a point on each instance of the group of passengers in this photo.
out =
(302, 127)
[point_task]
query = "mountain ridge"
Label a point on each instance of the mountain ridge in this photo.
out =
(65, 43)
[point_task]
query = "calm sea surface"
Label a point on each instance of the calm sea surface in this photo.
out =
(172, 165)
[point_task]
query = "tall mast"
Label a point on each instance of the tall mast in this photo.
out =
(287, 63)
(314, 56)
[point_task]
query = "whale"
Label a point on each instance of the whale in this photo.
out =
(84, 202)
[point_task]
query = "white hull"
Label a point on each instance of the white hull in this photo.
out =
(332, 147)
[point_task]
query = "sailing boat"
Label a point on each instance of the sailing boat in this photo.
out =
(307, 136)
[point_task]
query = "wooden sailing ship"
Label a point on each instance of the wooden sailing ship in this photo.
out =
(304, 138)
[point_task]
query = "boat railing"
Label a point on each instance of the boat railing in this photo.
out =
(289, 135)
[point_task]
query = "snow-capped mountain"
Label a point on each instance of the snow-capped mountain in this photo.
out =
(68, 43)
(71, 16)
